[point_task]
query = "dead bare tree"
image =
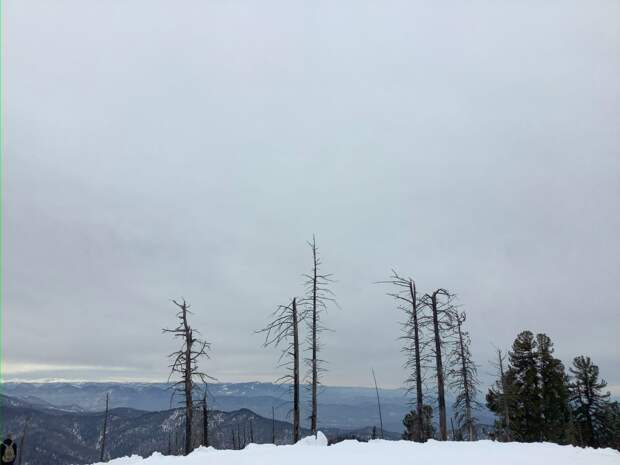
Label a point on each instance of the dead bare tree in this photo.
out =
(283, 331)
(104, 431)
(415, 347)
(273, 425)
(463, 375)
(234, 441)
(205, 419)
(378, 402)
(442, 312)
(184, 364)
(318, 295)
(504, 398)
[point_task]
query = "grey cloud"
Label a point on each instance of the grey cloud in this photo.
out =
(156, 151)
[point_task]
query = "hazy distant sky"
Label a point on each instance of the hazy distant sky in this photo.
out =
(157, 150)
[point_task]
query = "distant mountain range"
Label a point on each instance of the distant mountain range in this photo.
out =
(339, 407)
(64, 437)
(66, 418)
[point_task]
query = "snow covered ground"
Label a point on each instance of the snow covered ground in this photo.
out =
(316, 452)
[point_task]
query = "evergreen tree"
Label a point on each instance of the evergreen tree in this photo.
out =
(613, 419)
(555, 417)
(522, 375)
(411, 424)
(531, 397)
(592, 412)
(500, 401)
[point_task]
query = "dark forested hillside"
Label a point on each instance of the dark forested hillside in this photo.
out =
(64, 437)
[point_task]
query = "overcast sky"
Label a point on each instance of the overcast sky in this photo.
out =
(157, 150)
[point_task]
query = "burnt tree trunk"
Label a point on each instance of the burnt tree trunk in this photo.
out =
(441, 397)
(295, 373)
(315, 374)
(508, 434)
(418, 363)
(284, 329)
(465, 375)
(273, 425)
(188, 384)
(315, 301)
(185, 365)
(378, 403)
(105, 427)
(205, 420)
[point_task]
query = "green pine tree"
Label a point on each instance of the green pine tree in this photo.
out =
(553, 382)
(593, 413)
(531, 399)
(522, 375)
(411, 425)
(613, 419)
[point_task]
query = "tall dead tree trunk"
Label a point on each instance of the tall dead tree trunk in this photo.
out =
(414, 347)
(188, 383)
(284, 328)
(418, 360)
(466, 391)
(317, 297)
(295, 373)
(313, 415)
(205, 419)
(273, 425)
(378, 402)
(105, 427)
(463, 376)
(185, 365)
(504, 399)
(441, 397)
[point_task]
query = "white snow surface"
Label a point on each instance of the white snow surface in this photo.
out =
(311, 451)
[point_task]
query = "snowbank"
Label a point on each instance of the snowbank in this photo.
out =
(389, 453)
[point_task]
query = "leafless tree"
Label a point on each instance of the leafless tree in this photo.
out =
(504, 398)
(184, 364)
(273, 425)
(414, 346)
(104, 431)
(283, 331)
(378, 402)
(442, 309)
(318, 295)
(205, 418)
(234, 439)
(463, 376)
